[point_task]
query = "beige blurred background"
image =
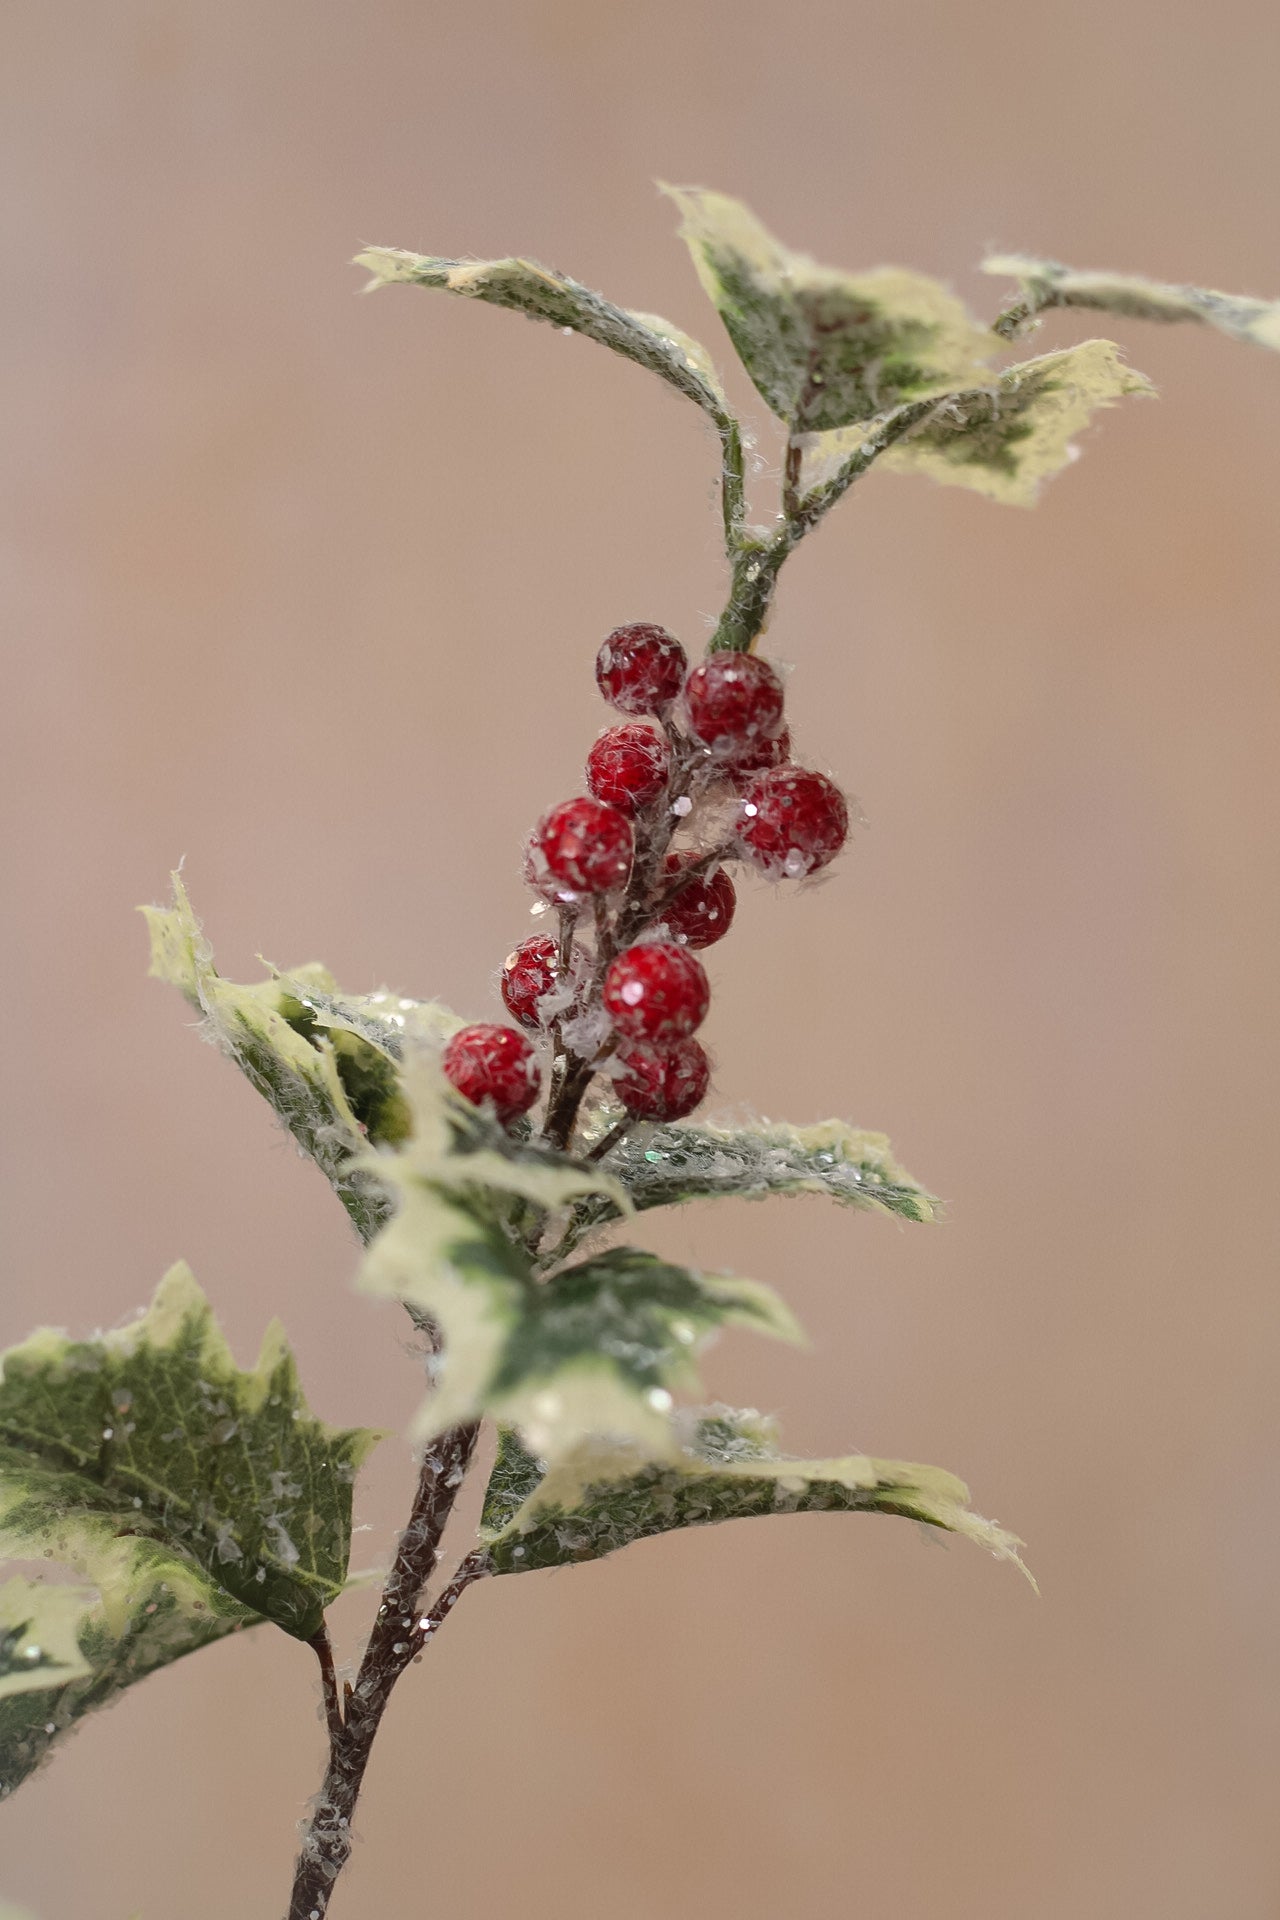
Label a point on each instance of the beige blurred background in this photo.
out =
(306, 589)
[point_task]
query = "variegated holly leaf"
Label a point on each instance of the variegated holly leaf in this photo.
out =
(327, 1062)
(593, 1348)
(721, 1465)
(152, 1435)
(1046, 283)
(822, 347)
(39, 1630)
(155, 1607)
(665, 1166)
(1003, 440)
(545, 295)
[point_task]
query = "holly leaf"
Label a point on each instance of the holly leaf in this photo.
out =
(155, 1607)
(722, 1465)
(327, 1062)
(592, 1348)
(1002, 440)
(542, 294)
(39, 1635)
(152, 1435)
(602, 1346)
(825, 348)
(1046, 283)
(666, 1166)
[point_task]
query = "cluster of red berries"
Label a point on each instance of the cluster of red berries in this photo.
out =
(717, 762)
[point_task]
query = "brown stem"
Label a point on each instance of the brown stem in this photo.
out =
(328, 1683)
(396, 1637)
(571, 1073)
(618, 1131)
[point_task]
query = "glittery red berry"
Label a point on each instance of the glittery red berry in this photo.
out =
(793, 821)
(733, 702)
(663, 1082)
(764, 753)
(581, 846)
(639, 669)
(493, 1066)
(530, 974)
(656, 992)
(702, 912)
(628, 766)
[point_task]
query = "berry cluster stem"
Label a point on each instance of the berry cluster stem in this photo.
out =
(572, 1073)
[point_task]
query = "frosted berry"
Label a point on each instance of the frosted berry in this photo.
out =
(663, 1082)
(530, 974)
(581, 846)
(656, 992)
(774, 752)
(702, 911)
(640, 668)
(493, 1066)
(628, 767)
(733, 702)
(793, 821)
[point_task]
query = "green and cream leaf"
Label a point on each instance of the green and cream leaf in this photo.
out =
(1003, 440)
(327, 1062)
(721, 1465)
(824, 348)
(592, 1348)
(155, 1608)
(39, 1634)
(542, 294)
(602, 1346)
(1047, 283)
(666, 1166)
(151, 1436)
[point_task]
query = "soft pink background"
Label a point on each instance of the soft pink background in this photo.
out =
(307, 589)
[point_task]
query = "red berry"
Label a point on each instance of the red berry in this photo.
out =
(656, 992)
(662, 1083)
(628, 767)
(702, 911)
(530, 974)
(581, 846)
(639, 668)
(793, 821)
(765, 753)
(493, 1066)
(734, 703)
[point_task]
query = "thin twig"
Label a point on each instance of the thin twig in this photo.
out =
(618, 1131)
(326, 1843)
(328, 1683)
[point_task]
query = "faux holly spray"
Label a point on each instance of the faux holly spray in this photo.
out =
(483, 1165)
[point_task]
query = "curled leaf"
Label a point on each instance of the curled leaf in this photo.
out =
(822, 347)
(666, 1166)
(1003, 440)
(1046, 284)
(327, 1062)
(543, 294)
(722, 1465)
